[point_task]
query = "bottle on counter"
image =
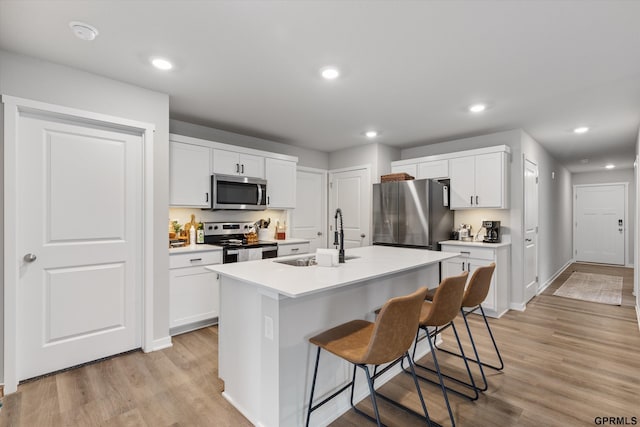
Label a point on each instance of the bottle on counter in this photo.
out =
(200, 233)
(192, 236)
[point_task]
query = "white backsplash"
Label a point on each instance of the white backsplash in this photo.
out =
(476, 216)
(184, 215)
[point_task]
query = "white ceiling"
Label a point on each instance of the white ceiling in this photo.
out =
(409, 69)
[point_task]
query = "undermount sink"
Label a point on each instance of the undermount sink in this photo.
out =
(308, 261)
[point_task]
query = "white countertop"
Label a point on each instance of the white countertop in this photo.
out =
(475, 244)
(193, 249)
(292, 281)
(291, 241)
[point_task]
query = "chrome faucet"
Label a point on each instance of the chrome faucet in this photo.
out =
(340, 234)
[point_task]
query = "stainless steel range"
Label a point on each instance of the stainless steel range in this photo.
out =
(230, 235)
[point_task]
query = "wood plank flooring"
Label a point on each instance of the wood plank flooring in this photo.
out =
(567, 362)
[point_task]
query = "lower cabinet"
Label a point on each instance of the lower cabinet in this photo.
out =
(474, 255)
(293, 248)
(194, 298)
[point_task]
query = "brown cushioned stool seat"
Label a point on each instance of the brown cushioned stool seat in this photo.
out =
(365, 343)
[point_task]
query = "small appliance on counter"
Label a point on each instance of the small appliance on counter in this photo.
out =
(464, 233)
(492, 234)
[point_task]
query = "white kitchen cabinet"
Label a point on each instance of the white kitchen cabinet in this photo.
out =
(438, 169)
(411, 169)
(233, 163)
(189, 175)
(474, 255)
(293, 248)
(479, 181)
(281, 183)
(193, 290)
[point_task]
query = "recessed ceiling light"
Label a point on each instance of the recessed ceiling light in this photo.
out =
(83, 31)
(330, 73)
(581, 129)
(477, 108)
(610, 166)
(371, 134)
(161, 64)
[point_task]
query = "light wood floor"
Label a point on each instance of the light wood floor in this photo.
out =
(567, 362)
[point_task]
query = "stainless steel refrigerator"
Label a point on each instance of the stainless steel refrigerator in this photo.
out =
(411, 213)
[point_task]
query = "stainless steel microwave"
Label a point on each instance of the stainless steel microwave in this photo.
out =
(238, 192)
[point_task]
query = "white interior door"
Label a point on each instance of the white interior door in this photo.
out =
(530, 229)
(600, 223)
(309, 218)
(79, 205)
(350, 190)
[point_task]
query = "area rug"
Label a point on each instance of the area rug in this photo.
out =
(592, 287)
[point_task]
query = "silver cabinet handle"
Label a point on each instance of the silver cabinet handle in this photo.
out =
(237, 167)
(471, 199)
(462, 265)
(477, 200)
(469, 267)
(195, 259)
(29, 257)
(242, 166)
(465, 252)
(295, 249)
(206, 197)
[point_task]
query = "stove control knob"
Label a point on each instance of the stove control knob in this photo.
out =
(215, 227)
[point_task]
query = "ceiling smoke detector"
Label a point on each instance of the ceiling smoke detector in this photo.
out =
(83, 31)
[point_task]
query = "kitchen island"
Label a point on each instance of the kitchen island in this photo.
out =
(270, 309)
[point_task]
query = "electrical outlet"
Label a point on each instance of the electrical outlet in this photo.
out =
(268, 327)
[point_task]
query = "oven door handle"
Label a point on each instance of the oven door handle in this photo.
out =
(259, 194)
(233, 252)
(269, 248)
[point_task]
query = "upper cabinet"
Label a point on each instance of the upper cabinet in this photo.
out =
(189, 173)
(478, 178)
(281, 183)
(234, 163)
(478, 181)
(192, 161)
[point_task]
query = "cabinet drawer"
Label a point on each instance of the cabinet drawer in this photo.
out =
(195, 259)
(298, 248)
(471, 252)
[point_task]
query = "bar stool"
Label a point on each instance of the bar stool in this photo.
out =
(440, 313)
(365, 343)
(474, 296)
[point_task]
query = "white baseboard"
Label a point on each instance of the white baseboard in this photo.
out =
(518, 306)
(159, 344)
(554, 277)
(638, 315)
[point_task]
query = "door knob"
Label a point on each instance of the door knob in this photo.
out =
(363, 235)
(319, 233)
(29, 257)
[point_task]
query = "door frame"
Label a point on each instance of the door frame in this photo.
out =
(525, 159)
(625, 219)
(13, 108)
(325, 200)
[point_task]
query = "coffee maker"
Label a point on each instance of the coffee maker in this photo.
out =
(492, 234)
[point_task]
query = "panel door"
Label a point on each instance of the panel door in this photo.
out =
(281, 183)
(251, 165)
(226, 162)
(488, 180)
(80, 210)
(600, 223)
(530, 229)
(309, 218)
(351, 192)
(462, 188)
(189, 175)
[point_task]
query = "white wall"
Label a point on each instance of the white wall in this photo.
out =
(310, 158)
(615, 176)
(378, 156)
(32, 78)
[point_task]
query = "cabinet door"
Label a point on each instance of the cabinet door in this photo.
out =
(489, 302)
(438, 169)
(462, 188)
(188, 175)
(251, 165)
(453, 267)
(226, 162)
(409, 169)
(193, 295)
(281, 183)
(489, 180)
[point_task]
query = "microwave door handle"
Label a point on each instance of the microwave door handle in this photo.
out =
(259, 194)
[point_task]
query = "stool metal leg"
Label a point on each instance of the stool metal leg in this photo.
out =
(313, 386)
(493, 340)
(442, 386)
